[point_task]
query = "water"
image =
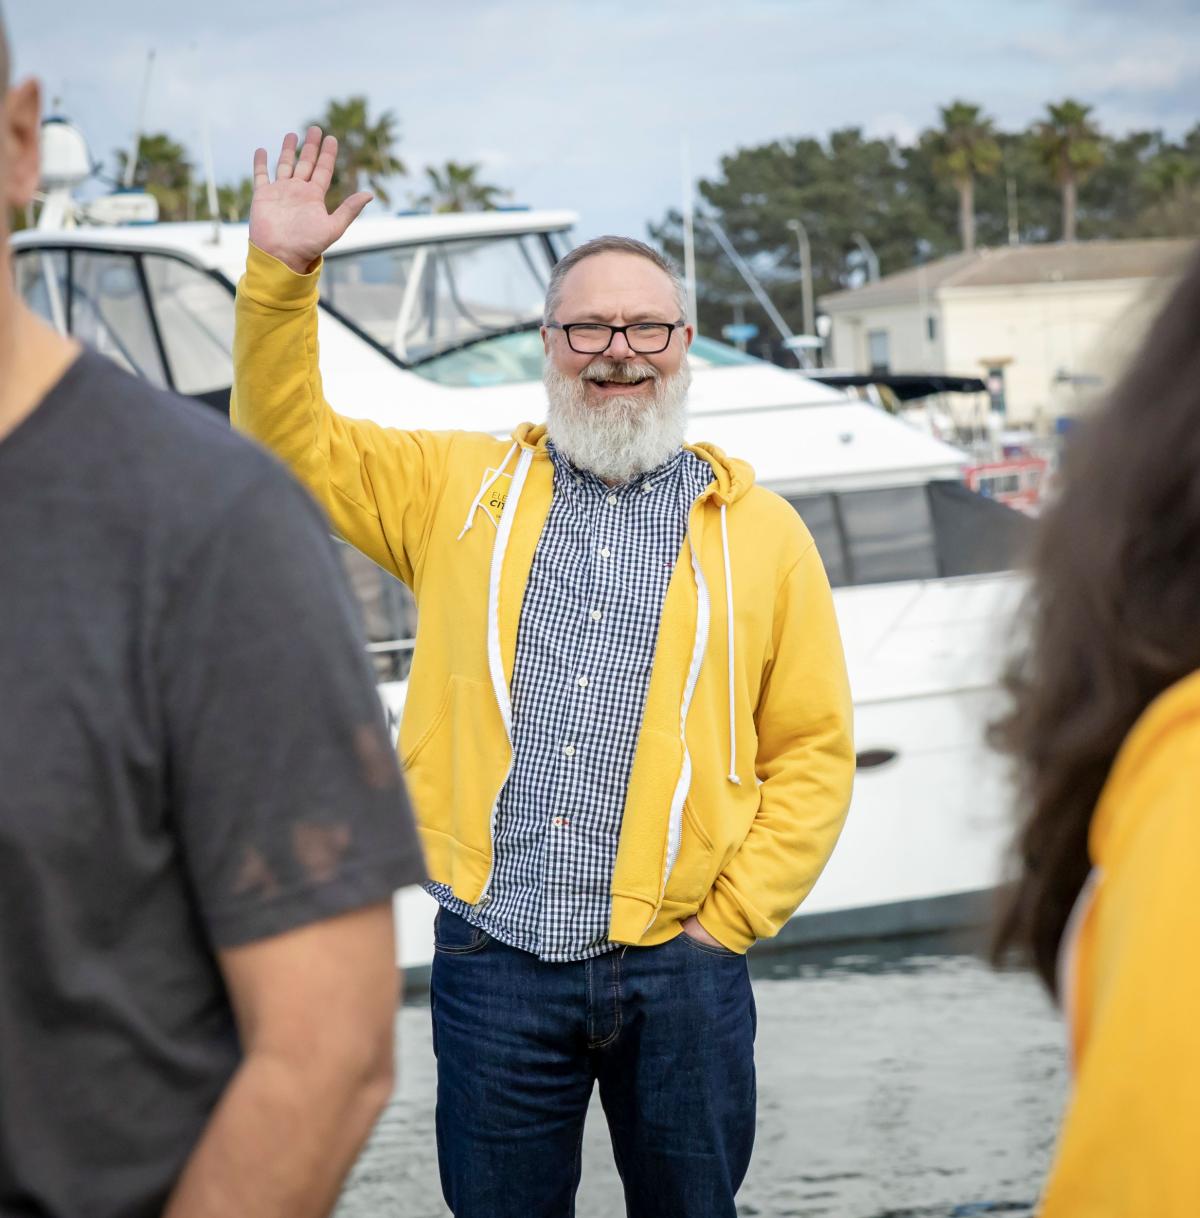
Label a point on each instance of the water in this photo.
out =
(897, 1083)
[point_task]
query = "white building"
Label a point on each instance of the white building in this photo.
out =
(1061, 319)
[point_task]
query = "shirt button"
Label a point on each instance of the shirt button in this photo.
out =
(596, 615)
(646, 488)
(605, 552)
(612, 499)
(569, 750)
(559, 821)
(582, 683)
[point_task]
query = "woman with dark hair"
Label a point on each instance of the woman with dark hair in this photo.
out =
(1105, 728)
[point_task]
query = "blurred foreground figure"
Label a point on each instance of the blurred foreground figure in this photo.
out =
(626, 729)
(1106, 729)
(201, 821)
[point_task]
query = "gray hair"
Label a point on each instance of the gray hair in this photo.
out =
(610, 245)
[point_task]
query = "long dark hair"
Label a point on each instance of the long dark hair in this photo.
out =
(1112, 618)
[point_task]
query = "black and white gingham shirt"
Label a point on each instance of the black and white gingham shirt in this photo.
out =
(585, 649)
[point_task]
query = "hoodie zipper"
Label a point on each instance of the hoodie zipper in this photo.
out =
(495, 659)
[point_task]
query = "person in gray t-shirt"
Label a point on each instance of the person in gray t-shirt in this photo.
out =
(201, 817)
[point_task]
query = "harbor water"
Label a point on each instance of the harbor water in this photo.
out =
(903, 1081)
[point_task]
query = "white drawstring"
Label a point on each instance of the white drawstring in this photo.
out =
(732, 775)
(483, 490)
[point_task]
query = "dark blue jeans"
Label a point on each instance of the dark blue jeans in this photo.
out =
(667, 1032)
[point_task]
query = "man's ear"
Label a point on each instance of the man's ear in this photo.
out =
(545, 341)
(689, 333)
(22, 112)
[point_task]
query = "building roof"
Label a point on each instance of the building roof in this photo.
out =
(1008, 265)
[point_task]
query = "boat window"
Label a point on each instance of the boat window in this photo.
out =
(369, 288)
(421, 302)
(506, 359)
(976, 534)
(708, 351)
(41, 282)
(108, 311)
(889, 534)
(389, 614)
(819, 513)
(195, 318)
(912, 532)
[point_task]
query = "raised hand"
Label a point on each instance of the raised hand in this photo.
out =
(288, 217)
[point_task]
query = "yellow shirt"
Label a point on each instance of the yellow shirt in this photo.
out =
(1130, 1142)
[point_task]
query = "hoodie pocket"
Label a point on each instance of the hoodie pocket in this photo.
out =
(695, 869)
(427, 734)
(452, 775)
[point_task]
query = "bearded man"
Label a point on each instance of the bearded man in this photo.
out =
(627, 728)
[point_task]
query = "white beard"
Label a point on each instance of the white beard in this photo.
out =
(622, 436)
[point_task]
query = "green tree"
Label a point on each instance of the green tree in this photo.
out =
(1071, 147)
(844, 186)
(163, 170)
(233, 201)
(1171, 185)
(366, 149)
(965, 148)
(456, 187)
(1019, 199)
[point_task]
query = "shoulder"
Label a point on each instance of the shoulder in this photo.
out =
(177, 496)
(1155, 771)
(160, 437)
(773, 522)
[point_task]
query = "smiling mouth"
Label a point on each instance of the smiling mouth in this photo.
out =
(636, 384)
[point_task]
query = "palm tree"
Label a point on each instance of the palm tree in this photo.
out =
(366, 150)
(233, 200)
(456, 187)
(162, 170)
(1071, 146)
(964, 149)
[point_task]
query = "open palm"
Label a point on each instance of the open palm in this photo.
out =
(288, 217)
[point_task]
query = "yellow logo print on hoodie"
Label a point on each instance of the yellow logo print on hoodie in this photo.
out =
(496, 495)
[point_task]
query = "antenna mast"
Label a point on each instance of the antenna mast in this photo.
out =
(132, 160)
(689, 238)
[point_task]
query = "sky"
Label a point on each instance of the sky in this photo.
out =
(590, 105)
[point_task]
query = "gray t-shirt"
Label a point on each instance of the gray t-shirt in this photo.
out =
(192, 756)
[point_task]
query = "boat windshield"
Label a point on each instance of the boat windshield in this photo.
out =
(463, 313)
(421, 302)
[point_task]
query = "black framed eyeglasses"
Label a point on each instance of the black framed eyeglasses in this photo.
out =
(644, 337)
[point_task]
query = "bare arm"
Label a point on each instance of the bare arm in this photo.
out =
(315, 1009)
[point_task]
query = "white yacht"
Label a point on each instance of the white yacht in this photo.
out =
(432, 321)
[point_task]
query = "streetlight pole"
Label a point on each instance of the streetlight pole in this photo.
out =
(868, 252)
(806, 280)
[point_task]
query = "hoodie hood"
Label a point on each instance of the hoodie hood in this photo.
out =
(733, 477)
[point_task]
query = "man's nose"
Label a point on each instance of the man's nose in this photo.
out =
(618, 347)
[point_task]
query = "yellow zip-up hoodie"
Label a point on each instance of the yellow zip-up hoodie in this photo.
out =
(742, 774)
(1130, 973)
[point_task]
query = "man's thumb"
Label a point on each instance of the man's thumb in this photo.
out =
(350, 210)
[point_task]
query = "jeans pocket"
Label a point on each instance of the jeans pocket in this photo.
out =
(707, 948)
(455, 936)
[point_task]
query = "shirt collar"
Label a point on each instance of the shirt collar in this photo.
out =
(571, 477)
